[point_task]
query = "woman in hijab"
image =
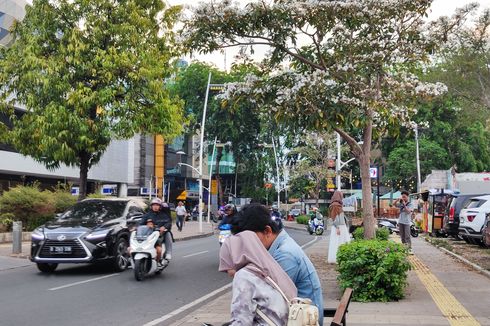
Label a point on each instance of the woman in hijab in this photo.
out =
(339, 234)
(254, 272)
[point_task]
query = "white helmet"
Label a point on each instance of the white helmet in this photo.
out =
(156, 201)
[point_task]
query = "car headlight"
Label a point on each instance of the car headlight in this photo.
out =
(98, 235)
(38, 234)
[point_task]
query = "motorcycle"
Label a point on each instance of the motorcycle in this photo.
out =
(316, 226)
(392, 226)
(224, 233)
(143, 253)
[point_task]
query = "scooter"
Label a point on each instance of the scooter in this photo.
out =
(315, 226)
(143, 253)
(392, 226)
(224, 233)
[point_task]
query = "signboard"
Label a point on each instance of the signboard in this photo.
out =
(75, 191)
(373, 173)
(214, 187)
(146, 191)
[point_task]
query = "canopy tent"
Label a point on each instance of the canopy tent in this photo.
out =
(394, 195)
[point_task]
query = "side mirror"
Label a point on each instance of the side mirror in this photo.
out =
(134, 216)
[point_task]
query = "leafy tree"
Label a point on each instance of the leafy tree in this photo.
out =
(312, 164)
(401, 164)
(239, 124)
(89, 72)
(335, 65)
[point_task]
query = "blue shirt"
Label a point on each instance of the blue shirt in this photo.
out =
(298, 266)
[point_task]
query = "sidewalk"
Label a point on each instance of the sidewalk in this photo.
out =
(189, 231)
(441, 291)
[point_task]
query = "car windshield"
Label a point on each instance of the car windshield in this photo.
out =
(475, 203)
(96, 210)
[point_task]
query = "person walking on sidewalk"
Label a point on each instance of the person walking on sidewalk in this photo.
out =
(405, 219)
(339, 234)
(254, 273)
(287, 253)
(181, 214)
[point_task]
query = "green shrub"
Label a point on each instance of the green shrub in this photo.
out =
(302, 219)
(62, 198)
(381, 233)
(375, 269)
(6, 220)
(29, 205)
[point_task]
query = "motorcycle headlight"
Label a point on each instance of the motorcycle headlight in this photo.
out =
(38, 234)
(97, 235)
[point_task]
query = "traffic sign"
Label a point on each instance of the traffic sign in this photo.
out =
(373, 173)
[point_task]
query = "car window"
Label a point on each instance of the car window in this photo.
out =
(96, 210)
(475, 203)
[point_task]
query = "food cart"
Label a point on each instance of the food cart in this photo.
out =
(434, 206)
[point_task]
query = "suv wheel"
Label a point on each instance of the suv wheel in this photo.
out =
(46, 267)
(121, 256)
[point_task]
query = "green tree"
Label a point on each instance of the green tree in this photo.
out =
(401, 163)
(335, 65)
(238, 124)
(88, 72)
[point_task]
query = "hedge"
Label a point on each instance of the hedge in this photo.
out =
(302, 219)
(32, 206)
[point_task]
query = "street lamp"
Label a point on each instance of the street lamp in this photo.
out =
(339, 164)
(273, 146)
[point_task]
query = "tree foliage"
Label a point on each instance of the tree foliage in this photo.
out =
(88, 72)
(334, 64)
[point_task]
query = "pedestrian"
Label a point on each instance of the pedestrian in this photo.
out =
(257, 278)
(405, 219)
(181, 214)
(287, 253)
(339, 233)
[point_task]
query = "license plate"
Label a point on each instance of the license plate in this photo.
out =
(60, 250)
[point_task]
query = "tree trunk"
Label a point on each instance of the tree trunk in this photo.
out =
(84, 164)
(219, 155)
(367, 198)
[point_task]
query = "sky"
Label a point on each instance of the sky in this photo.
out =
(439, 8)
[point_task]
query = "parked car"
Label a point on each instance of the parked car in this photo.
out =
(294, 213)
(472, 218)
(451, 216)
(486, 232)
(92, 230)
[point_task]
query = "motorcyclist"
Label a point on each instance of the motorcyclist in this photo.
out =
(229, 211)
(162, 222)
(315, 214)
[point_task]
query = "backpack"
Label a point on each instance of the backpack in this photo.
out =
(302, 312)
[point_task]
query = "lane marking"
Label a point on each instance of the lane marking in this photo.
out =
(451, 308)
(195, 254)
(82, 282)
(310, 243)
(188, 306)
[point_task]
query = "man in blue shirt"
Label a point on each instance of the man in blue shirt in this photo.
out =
(283, 249)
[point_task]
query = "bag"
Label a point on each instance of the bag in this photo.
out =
(302, 312)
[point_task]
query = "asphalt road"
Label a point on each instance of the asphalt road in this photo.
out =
(85, 294)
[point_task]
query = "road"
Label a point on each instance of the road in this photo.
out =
(84, 294)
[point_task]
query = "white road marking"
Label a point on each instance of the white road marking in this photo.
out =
(204, 298)
(196, 253)
(187, 306)
(82, 282)
(309, 243)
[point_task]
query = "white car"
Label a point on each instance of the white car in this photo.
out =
(472, 218)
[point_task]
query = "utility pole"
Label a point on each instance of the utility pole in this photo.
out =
(419, 179)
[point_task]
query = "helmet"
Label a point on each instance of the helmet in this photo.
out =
(231, 207)
(156, 201)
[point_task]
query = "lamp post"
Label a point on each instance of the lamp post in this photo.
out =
(339, 164)
(419, 179)
(273, 146)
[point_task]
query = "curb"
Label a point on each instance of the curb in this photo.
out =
(198, 236)
(478, 268)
